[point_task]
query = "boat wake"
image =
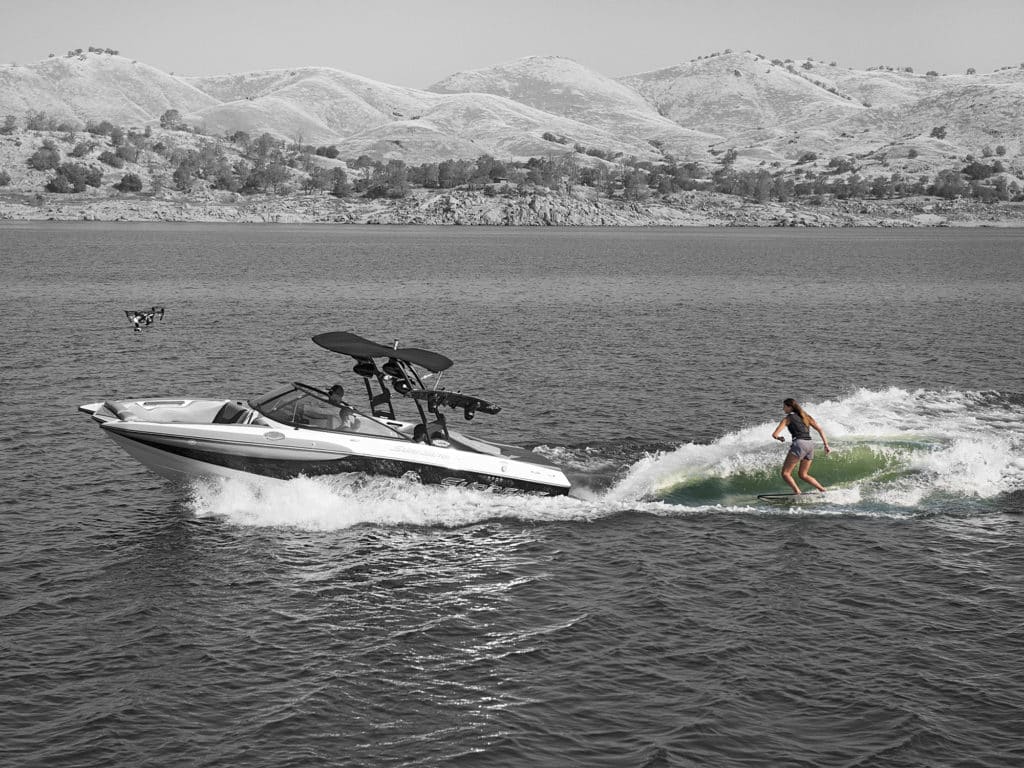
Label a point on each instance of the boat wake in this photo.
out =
(890, 449)
(896, 453)
(327, 503)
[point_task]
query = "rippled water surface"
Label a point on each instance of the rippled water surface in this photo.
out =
(661, 616)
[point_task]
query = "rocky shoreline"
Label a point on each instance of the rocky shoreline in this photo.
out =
(463, 208)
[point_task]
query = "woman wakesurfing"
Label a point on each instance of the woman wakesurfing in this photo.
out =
(799, 423)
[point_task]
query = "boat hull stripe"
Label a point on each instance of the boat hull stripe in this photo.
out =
(286, 469)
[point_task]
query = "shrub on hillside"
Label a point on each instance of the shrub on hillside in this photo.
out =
(912, 153)
(5, 178)
(59, 184)
(390, 181)
(102, 128)
(318, 180)
(111, 159)
(171, 119)
(977, 171)
(948, 184)
(75, 177)
(39, 121)
(267, 147)
(127, 152)
(226, 178)
(46, 158)
(938, 132)
(93, 177)
(10, 125)
(82, 149)
(183, 177)
(130, 182)
(880, 187)
(842, 164)
(376, 191)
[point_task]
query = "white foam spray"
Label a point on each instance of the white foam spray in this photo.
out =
(332, 503)
(940, 443)
(960, 444)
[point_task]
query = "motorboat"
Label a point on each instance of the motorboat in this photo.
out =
(303, 430)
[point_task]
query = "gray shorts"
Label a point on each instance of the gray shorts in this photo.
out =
(802, 449)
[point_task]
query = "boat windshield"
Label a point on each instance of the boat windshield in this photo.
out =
(302, 408)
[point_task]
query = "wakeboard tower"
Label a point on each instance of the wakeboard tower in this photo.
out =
(299, 429)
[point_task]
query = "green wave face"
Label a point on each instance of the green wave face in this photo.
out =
(855, 464)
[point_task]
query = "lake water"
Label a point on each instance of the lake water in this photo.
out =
(660, 616)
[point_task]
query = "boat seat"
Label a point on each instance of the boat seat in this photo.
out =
(231, 413)
(118, 409)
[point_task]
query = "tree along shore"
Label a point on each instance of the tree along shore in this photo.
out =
(538, 208)
(50, 171)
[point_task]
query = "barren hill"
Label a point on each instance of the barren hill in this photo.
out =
(741, 97)
(329, 103)
(772, 112)
(361, 115)
(95, 86)
(781, 110)
(564, 87)
(311, 105)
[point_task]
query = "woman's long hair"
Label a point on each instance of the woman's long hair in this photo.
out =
(804, 416)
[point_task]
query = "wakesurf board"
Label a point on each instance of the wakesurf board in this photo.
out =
(791, 498)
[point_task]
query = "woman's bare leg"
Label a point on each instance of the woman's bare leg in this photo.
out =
(787, 472)
(805, 469)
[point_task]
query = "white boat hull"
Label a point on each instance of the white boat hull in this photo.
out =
(184, 451)
(172, 466)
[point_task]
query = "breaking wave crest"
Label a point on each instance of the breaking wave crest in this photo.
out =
(891, 447)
